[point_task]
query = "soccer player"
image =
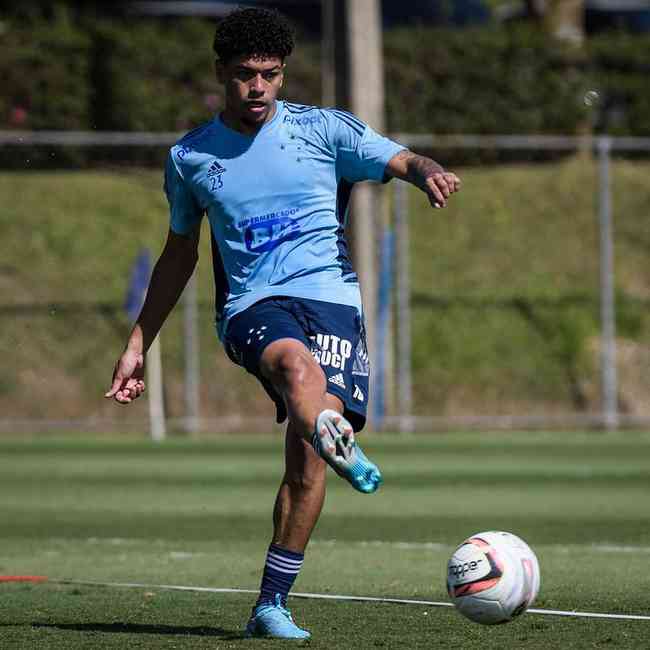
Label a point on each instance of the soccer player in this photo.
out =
(274, 179)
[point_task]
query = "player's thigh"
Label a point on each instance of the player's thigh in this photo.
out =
(252, 331)
(337, 342)
(288, 364)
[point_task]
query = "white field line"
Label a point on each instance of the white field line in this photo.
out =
(597, 547)
(615, 548)
(436, 546)
(365, 599)
(418, 546)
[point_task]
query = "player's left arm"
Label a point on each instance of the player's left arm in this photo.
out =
(426, 174)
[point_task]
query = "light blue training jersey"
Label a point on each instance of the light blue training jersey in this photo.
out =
(277, 202)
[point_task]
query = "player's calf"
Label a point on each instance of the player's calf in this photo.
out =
(334, 442)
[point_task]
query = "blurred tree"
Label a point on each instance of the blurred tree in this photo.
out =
(565, 19)
(536, 9)
(50, 10)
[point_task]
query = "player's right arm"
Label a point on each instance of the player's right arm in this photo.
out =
(170, 275)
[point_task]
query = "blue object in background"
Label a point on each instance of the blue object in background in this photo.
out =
(624, 15)
(441, 13)
(435, 13)
(138, 285)
(387, 252)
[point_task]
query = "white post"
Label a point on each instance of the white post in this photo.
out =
(609, 378)
(366, 89)
(403, 288)
(155, 392)
(328, 59)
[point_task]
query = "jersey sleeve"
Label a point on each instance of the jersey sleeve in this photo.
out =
(184, 212)
(361, 153)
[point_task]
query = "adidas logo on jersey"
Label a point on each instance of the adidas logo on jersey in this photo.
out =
(215, 169)
(358, 394)
(337, 380)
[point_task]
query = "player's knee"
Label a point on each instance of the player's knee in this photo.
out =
(296, 369)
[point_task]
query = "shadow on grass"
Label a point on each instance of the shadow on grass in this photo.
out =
(135, 628)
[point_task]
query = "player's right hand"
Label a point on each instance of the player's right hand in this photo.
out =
(128, 378)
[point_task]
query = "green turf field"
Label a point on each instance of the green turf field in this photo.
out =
(198, 513)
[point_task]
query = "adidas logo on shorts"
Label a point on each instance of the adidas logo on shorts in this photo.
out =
(358, 394)
(337, 380)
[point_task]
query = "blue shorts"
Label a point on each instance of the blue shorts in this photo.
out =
(333, 333)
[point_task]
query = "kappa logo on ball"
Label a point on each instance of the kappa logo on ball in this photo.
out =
(460, 569)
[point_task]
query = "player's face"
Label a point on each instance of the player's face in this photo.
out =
(251, 85)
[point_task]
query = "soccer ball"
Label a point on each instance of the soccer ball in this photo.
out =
(493, 577)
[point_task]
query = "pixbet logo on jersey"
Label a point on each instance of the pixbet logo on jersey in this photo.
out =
(302, 121)
(330, 350)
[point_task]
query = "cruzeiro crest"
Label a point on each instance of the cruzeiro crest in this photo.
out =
(214, 175)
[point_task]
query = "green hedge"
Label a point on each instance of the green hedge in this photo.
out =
(159, 76)
(44, 74)
(154, 75)
(620, 66)
(481, 81)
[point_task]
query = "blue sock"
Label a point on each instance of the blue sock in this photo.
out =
(280, 571)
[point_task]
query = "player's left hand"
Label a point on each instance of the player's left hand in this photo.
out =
(440, 186)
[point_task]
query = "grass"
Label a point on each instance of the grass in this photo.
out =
(531, 232)
(198, 513)
(514, 230)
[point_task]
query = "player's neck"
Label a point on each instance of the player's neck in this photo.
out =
(236, 122)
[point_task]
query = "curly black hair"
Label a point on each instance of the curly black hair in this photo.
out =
(254, 32)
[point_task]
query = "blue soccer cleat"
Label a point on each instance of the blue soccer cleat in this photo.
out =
(334, 442)
(273, 620)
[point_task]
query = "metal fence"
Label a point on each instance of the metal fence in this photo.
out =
(609, 416)
(204, 393)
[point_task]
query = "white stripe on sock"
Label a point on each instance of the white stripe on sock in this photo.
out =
(283, 560)
(281, 569)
